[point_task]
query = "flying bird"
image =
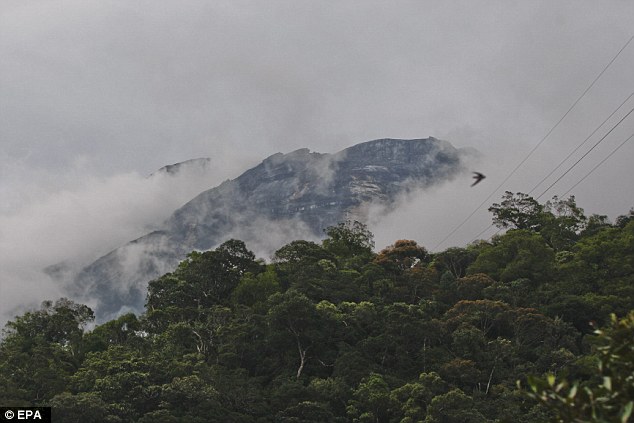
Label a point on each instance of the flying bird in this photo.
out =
(478, 177)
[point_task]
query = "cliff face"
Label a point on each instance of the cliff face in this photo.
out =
(286, 197)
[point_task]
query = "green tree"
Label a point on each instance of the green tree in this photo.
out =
(306, 412)
(413, 398)
(333, 391)
(623, 220)
(200, 282)
(518, 211)
(455, 260)
(40, 350)
(453, 407)
(256, 289)
(514, 255)
(563, 222)
(472, 287)
(371, 402)
(84, 407)
(122, 330)
(296, 326)
(350, 242)
(608, 398)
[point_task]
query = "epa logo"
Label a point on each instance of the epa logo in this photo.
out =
(36, 414)
(24, 415)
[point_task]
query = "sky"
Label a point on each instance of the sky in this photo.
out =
(97, 95)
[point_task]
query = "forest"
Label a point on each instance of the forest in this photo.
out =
(533, 325)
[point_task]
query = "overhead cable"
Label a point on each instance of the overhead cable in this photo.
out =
(586, 153)
(599, 164)
(580, 145)
(530, 153)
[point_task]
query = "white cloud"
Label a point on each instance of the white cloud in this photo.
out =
(94, 95)
(49, 224)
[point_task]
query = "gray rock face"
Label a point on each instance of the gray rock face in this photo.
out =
(286, 197)
(177, 167)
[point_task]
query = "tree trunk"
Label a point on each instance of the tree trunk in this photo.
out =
(490, 377)
(302, 358)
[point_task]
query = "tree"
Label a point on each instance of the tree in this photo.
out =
(126, 379)
(519, 211)
(84, 407)
(306, 411)
(191, 399)
(563, 222)
(453, 407)
(40, 350)
(372, 401)
(407, 279)
(333, 391)
(472, 287)
(413, 398)
(295, 322)
(200, 282)
(610, 398)
(120, 331)
(301, 252)
(595, 224)
(490, 317)
(349, 241)
(514, 255)
(62, 323)
(214, 274)
(402, 255)
(623, 220)
(255, 289)
(559, 221)
(455, 260)
(335, 333)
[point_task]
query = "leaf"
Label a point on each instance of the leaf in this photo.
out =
(627, 411)
(573, 391)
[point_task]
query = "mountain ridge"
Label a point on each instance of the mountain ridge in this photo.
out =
(285, 197)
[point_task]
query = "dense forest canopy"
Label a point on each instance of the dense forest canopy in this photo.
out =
(536, 324)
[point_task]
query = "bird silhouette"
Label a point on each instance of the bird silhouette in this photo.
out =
(478, 177)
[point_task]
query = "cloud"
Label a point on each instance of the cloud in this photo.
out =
(429, 214)
(85, 77)
(96, 95)
(80, 220)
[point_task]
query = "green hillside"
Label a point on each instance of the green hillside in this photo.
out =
(534, 325)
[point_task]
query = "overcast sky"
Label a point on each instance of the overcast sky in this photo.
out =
(95, 95)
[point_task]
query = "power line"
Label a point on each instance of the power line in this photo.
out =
(599, 164)
(580, 145)
(588, 174)
(587, 152)
(537, 145)
(482, 232)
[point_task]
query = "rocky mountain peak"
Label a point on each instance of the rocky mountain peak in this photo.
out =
(173, 169)
(285, 197)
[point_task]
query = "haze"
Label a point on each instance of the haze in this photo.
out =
(96, 95)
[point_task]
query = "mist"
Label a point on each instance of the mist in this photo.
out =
(79, 218)
(95, 96)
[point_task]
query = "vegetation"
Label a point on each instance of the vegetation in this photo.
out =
(499, 331)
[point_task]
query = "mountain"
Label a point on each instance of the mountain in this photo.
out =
(173, 169)
(286, 197)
